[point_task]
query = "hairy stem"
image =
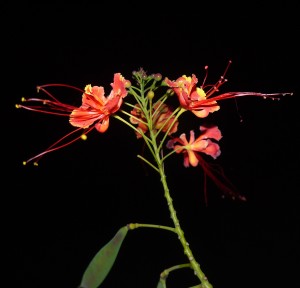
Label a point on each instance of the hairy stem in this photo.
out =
(186, 248)
(179, 231)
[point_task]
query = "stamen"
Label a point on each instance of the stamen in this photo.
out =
(54, 146)
(221, 81)
(206, 68)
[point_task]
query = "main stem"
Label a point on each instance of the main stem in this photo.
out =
(186, 248)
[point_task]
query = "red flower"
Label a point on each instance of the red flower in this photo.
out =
(191, 97)
(201, 102)
(96, 107)
(203, 144)
(93, 113)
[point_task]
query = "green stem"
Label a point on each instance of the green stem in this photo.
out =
(138, 225)
(186, 248)
(156, 151)
(166, 272)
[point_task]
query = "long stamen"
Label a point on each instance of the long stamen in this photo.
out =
(53, 148)
(42, 88)
(230, 95)
(221, 81)
(206, 74)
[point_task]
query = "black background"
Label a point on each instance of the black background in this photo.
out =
(59, 214)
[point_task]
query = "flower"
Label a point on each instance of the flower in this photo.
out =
(191, 97)
(201, 102)
(162, 118)
(203, 144)
(96, 107)
(206, 144)
(93, 113)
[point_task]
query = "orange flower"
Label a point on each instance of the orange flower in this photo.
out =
(161, 119)
(191, 97)
(93, 113)
(96, 107)
(201, 102)
(206, 144)
(203, 144)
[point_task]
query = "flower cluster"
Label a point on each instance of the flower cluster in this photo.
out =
(150, 114)
(143, 106)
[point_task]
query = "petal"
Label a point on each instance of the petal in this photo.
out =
(193, 160)
(210, 132)
(200, 113)
(119, 85)
(94, 97)
(114, 104)
(84, 118)
(170, 143)
(212, 149)
(186, 162)
(102, 126)
(192, 137)
(199, 146)
(183, 140)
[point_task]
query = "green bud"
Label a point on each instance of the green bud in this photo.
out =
(157, 76)
(150, 94)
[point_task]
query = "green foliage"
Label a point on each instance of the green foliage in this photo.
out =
(161, 283)
(101, 264)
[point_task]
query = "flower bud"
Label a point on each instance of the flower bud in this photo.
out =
(127, 84)
(157, 77)
(150, 94)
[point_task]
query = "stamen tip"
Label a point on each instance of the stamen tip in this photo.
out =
(83, 137)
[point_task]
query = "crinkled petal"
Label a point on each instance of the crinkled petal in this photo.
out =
(210, 132)
(94, 97)
(118, 86)
(212, 149)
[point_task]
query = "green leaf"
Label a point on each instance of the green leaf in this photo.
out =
(102, 262)
(161, 284)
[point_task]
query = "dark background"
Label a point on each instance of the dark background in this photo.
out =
(59, 214)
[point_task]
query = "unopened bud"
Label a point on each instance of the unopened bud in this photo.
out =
(127, 84)
(170, 92)
(157, 76)
(150, 94)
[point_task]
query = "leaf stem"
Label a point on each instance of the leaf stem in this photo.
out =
(139, 225)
